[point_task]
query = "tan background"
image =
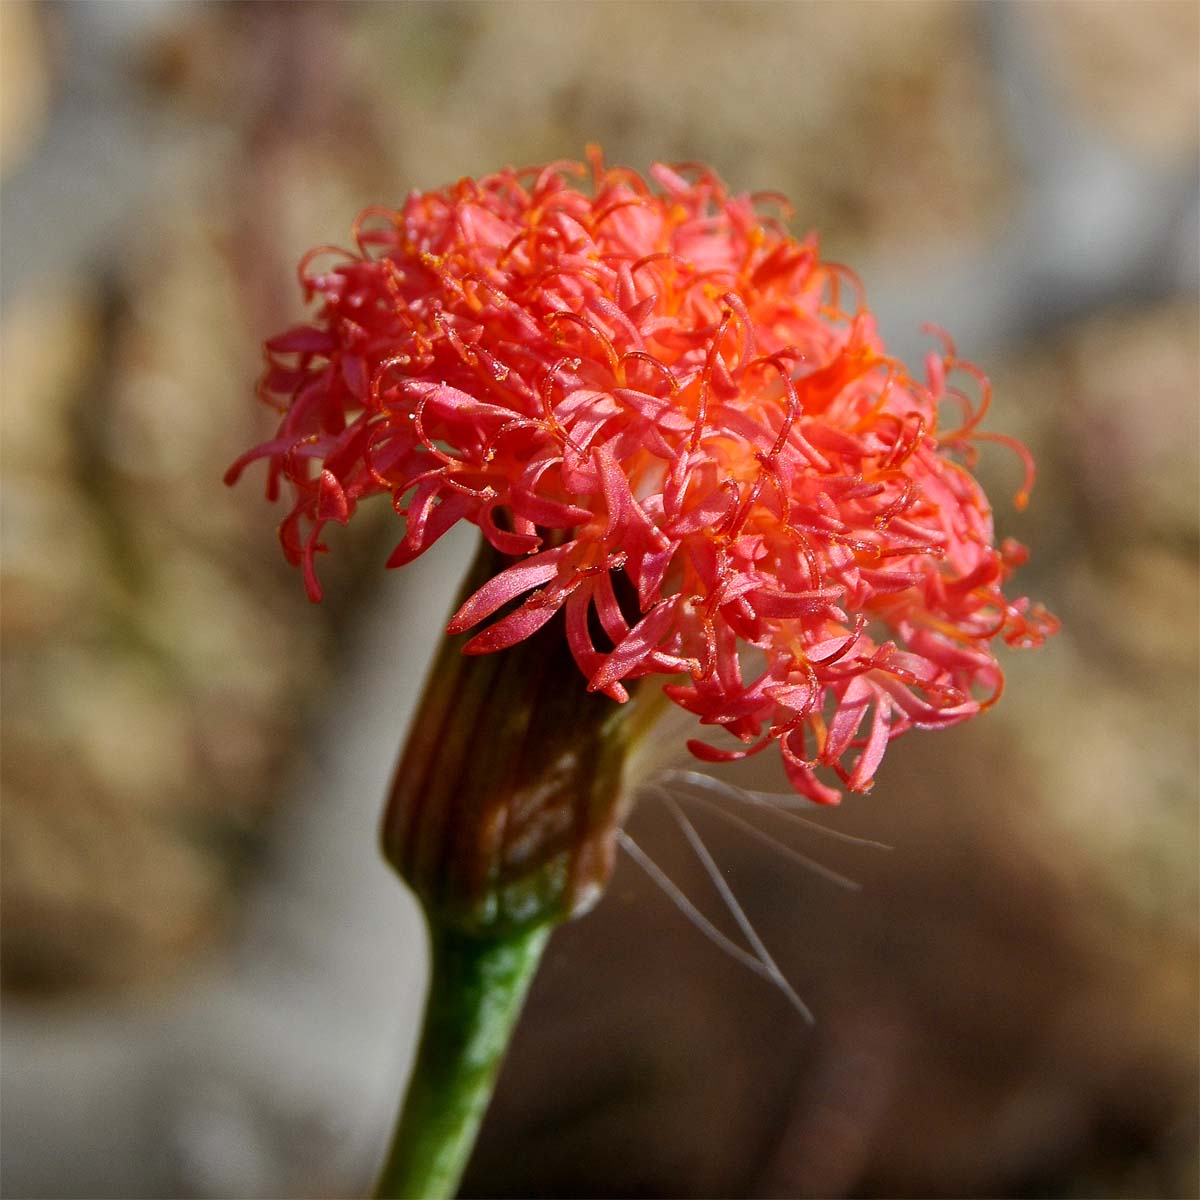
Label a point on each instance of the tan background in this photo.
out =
(210, 983)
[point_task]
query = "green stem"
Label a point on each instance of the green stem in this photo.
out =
(476, 988)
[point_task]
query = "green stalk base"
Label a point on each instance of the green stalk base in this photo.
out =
(476, 988)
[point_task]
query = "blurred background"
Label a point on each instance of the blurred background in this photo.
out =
(211, 984)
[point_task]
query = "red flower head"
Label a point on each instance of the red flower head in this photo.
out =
(658, 405)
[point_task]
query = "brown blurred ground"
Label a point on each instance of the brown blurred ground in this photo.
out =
(1009, 1005)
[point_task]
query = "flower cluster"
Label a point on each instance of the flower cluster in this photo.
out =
(658, 403)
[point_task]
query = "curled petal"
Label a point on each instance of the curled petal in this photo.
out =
(428, 519)
(508, 585)
(331, 500)
(303, 339)
(510, 630)
(636, 644)
(868, 762)
(713, 754)
(794, 604)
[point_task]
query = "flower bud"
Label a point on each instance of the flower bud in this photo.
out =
(507, 799)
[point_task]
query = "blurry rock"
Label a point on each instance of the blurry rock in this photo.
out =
(1135, 425)
(160, 659)
(1129, 69)
(1116, 526)
(24, 82)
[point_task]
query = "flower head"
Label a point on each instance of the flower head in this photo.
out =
(659, 405)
